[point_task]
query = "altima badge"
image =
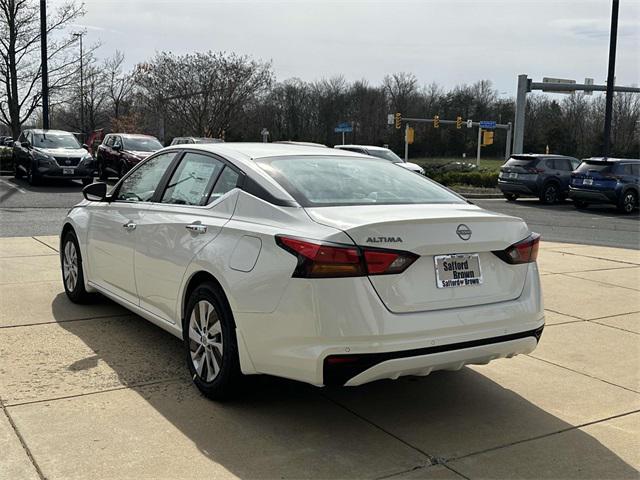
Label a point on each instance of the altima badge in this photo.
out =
(463, 232)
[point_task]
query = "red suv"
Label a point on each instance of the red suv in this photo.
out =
(121, 151)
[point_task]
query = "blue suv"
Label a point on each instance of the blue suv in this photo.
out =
(606, 180)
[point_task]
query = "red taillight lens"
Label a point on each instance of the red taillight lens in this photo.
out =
(525, 251)
(324, 260)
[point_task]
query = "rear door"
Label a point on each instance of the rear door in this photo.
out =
(563, 169)
(188, 214)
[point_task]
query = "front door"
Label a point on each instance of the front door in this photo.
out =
(113, 229)
(190, 213)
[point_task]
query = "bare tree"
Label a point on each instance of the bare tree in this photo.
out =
(120, 84)
(20, 67)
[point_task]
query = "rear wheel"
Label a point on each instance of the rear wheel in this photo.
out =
(511, 197)
(628, 201)
(72, 275)
(210, 340)
(550, 194)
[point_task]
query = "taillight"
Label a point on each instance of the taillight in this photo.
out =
(325, 260)
(525, 251)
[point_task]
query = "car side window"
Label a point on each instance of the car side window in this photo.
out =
(22, 137)
(628, 170)
(635, 169)
(109, 141)
(141, 183)
(192, 180)
(227, 181)
(117, 142)
(563, 164)
(575, 163)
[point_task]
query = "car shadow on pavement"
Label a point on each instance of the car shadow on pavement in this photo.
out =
(604, 209)
(48, 186)
(285, 429)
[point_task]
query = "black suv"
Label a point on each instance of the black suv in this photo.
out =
(40, 154)
(544, 176)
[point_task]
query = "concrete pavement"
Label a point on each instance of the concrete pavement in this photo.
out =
(96, 392)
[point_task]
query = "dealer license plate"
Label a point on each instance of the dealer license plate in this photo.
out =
(68, 171)
(587, 181)
(459, 270)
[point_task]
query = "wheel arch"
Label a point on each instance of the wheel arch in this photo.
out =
(197, 278)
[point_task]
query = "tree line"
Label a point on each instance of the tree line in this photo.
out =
(230, 96)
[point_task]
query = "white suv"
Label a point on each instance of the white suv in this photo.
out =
(384, 153)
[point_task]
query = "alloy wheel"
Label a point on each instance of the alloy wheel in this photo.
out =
(205, 341)
(70, 266)
(550, 194)
(629, 202)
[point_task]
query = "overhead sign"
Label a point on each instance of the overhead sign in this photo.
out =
(469, 123)
(487, 124)
(344, 127)
(557, 80)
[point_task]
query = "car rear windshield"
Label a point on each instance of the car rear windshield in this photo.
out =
(55, 140)
(602, 167)
(525, 162)
(142, 144)
(317, 181)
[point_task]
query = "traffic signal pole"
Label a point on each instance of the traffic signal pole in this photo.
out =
(610, 77)
(44, 64)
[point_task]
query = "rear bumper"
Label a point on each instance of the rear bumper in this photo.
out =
(513, 187)
(352, 370)
(302, 336)
(594, 196)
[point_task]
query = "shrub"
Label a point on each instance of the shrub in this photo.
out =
(474, 179)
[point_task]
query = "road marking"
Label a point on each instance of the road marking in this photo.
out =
(11, 185)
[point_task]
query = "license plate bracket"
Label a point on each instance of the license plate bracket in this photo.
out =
(587, 181)
(458, 270)
(68, 171)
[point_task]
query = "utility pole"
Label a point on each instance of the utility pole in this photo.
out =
(44, 64)
(79, 35)
(613, 37)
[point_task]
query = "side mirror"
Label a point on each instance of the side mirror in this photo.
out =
(26, 144)
(85, 146)
(117, 147)
(95, 192)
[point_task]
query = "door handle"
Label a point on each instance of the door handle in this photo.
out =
(129, 226)
(196, 228)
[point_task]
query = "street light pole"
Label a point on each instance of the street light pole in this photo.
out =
(44, 64)
(610, 77)
(79, 35)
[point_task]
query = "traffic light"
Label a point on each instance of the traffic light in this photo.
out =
(398, 120)
(436, 121)
(411, 135)
(458, 122)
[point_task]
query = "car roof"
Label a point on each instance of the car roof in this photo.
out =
(608, 159)
(368, 147)
(132, 135)
(40, 130)
(539, 155)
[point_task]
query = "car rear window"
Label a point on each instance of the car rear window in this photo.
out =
(602, 167)
(317, 181)
(524, 162)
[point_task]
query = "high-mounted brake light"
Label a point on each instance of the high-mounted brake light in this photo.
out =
(525, 251)
(326, 260)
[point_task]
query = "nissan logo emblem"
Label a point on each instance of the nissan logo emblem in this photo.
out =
(463, 232)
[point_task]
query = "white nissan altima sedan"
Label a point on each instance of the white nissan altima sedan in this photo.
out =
(314, 264)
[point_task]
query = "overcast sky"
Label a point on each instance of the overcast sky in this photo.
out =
(446, 41)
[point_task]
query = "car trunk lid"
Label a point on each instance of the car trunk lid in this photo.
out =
(430, 231)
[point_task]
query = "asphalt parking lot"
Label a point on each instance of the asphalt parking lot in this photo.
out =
(26, 210)
(96, 392)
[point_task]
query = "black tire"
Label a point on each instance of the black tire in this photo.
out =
(32, 177)
(550, 193)
(74, 289)
(102, 171)
(87, 181)
(628, 201)
(122, 169)
(226, 381)
(580, 204)
(511, 197)
(17, 173)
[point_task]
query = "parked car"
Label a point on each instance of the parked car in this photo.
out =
(384, 153)
(41, 154)
(187, 140)
(544, 176)
(6, 141)
(318, 265)
(119, 152)
(606, 180)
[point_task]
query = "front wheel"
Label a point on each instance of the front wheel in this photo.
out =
(32, 177)
(210, 340)
(511, 197)
(628, 201)
(72, 274)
